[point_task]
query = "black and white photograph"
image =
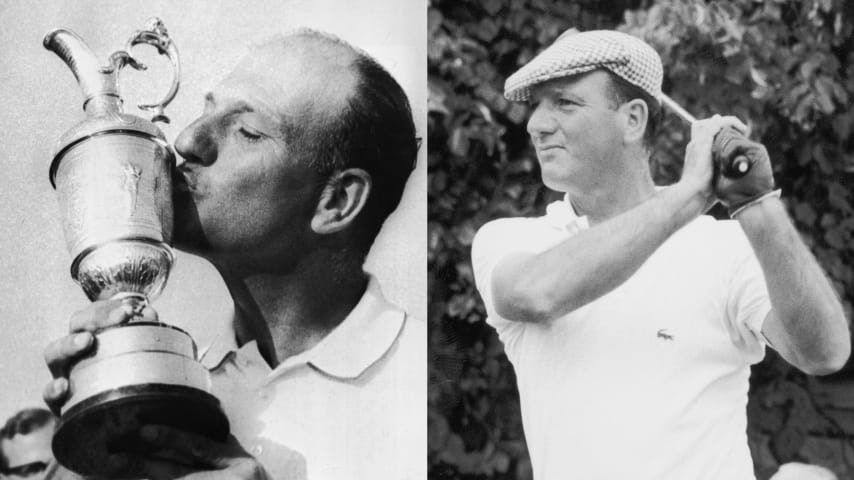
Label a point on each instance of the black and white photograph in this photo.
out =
(640, 219)
(444, 239)
(213, 239)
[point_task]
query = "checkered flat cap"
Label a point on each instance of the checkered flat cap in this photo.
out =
(580, 52)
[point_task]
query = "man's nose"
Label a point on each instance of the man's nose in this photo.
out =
(196, 143)
(541, 122)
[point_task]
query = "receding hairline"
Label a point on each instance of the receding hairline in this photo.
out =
(312, 34)
(326, 45)
(331, 60)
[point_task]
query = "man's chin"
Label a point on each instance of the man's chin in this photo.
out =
(558, 184)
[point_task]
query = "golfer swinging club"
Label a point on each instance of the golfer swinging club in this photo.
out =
(630, 317)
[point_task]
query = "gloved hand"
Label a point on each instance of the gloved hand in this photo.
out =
(733, 190)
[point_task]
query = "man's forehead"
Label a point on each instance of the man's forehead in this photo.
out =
(243, 95)
(277, 79)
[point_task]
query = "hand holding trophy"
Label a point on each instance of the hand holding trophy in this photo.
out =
(112, 172)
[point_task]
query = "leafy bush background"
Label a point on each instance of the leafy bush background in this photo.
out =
(786, 67)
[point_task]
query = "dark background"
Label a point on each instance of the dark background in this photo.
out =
(785, 67)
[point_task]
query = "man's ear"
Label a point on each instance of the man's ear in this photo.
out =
(636, 115)
(342, 199)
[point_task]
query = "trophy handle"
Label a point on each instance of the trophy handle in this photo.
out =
(154, 34)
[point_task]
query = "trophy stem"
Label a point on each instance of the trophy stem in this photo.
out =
(136, 300)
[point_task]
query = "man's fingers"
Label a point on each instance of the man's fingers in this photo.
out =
(55, 394)
(736, 123)
(108, 313)
(148, 314)
(194, 448)
(159, 469)
(717, 122)
(119, 464)
(60, 353)
(733, 145)
(709, 127)
(701, 127)
(100, 315)
(176, 450)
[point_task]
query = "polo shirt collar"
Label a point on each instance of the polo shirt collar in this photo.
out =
(562, 215)
(363, 338)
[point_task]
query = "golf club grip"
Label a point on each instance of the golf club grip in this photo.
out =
(735, 167)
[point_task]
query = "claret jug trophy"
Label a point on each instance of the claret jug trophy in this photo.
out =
(112, 173)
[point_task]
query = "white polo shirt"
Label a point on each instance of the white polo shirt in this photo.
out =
(650, 380)
(352, 407)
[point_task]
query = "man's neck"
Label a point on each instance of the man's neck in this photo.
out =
(290, 313)
(614, 196)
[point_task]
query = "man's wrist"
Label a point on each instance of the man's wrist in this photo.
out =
(736, 210)
(677, 205)
(692, 196)
(758, 212)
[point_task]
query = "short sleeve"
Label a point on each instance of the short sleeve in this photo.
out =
(748, 303)
(498, 240)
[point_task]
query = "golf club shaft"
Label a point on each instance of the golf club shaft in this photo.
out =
(739, 165)
(677, 109)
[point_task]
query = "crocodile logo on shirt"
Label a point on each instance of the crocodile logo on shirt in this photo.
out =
(664, 335)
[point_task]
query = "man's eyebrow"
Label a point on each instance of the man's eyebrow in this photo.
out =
(236, 107)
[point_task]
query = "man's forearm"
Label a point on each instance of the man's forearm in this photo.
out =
(807, 325)
(593, 262)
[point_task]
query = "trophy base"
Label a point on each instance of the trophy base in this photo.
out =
(140, 373)
(91, 433)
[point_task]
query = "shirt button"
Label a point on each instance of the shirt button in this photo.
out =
(257, 450)
(263, 393)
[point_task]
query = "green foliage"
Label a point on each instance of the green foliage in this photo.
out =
(785, 67)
